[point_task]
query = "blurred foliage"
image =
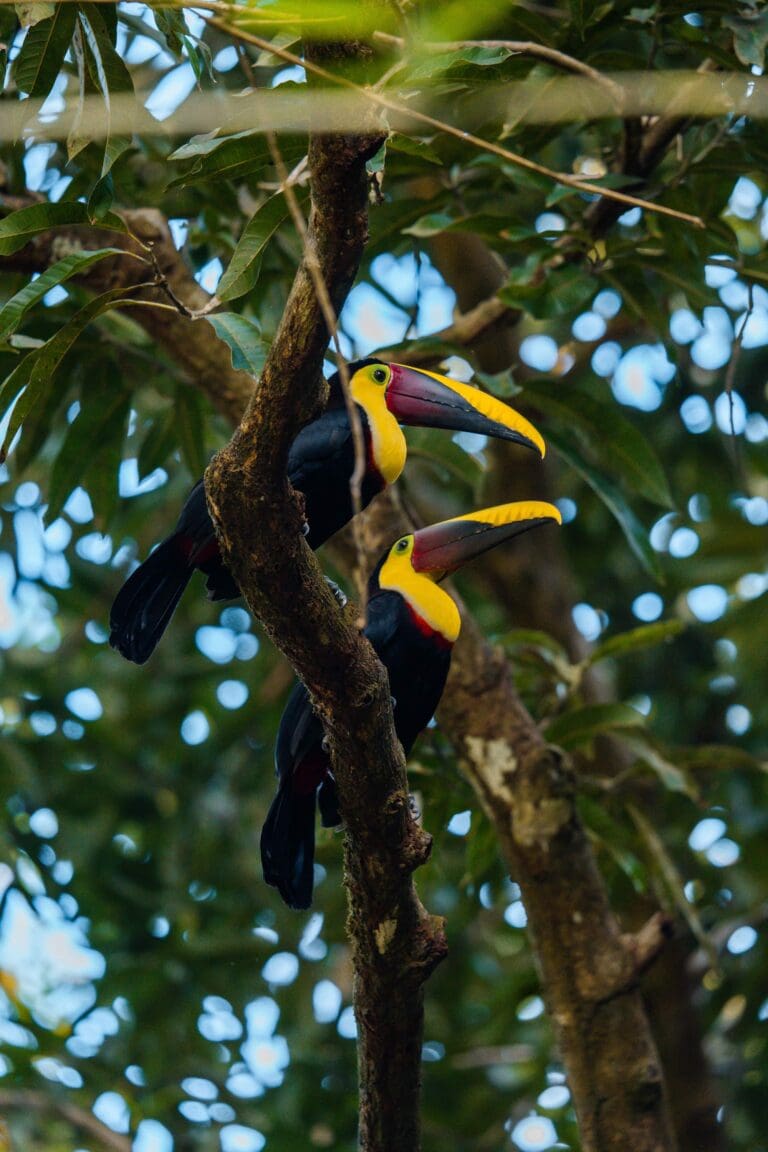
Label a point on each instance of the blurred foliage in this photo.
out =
(140, 953)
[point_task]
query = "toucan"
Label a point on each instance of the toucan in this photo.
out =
(412, 624)
(320, 464)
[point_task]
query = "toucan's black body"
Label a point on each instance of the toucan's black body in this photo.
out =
(412, 624)
(417, 662)
(320, 464)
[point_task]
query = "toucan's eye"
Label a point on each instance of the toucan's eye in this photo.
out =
(402, 545)
(380, 375)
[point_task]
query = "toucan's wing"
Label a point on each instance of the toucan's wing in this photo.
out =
(384, 623)
(194, 520)
(320, 464)
(300, 734)
(321, 451)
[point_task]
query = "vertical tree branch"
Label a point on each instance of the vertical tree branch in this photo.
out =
(590, 970)
(395, 943)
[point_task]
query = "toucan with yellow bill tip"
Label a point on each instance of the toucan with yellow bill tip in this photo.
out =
(412, 624)
(320, 464)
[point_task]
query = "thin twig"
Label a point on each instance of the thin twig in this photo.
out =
(443, 126)
(252, 13)
(521, 47)
(671, 878)
(466, 328)
(730, 376)
(332, 324)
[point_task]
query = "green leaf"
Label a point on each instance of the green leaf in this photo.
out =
(230, 157)
(102, 477)
(243, 336)
(200, 58)
(412, 146)
(720, 758)
(647, 636)
(649, 753)
(33, 13)
(430, 225)
(79, 136)
(75, 264)
(109, 74)
(42, 53)
(14, 383)
(172, 24)
(611, 836)
(482, 848)
(609, 436)
(207, 142)
(445, 458)
(533, 638)
(48, 359)
(101, 414)
(670, 873)
(190, 426)
(750, 36)
(561, 293)
(245, 265)
(19, 227)
(636, 535)
(159, 442)
(376, 162)
(433, 63)
(580, 726)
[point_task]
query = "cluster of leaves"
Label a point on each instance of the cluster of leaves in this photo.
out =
(161, 833)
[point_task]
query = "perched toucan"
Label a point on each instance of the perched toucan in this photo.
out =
(320, 465)
(412, 624)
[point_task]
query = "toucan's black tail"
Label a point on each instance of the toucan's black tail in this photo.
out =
(288, 846)
(147, 600)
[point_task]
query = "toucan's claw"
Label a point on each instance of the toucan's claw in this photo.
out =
(339, 594)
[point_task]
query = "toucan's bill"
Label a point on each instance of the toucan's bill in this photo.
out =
(416, 396)
(444, 547)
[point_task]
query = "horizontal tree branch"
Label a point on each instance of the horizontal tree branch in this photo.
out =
(193, 346)
(27, 1100)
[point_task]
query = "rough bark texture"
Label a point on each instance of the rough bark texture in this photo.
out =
(192, 346)
(546, 604)
(589, 969)
(396, 944)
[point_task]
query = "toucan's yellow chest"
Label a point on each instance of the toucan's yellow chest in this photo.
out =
(426, 599)
(386, 440)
